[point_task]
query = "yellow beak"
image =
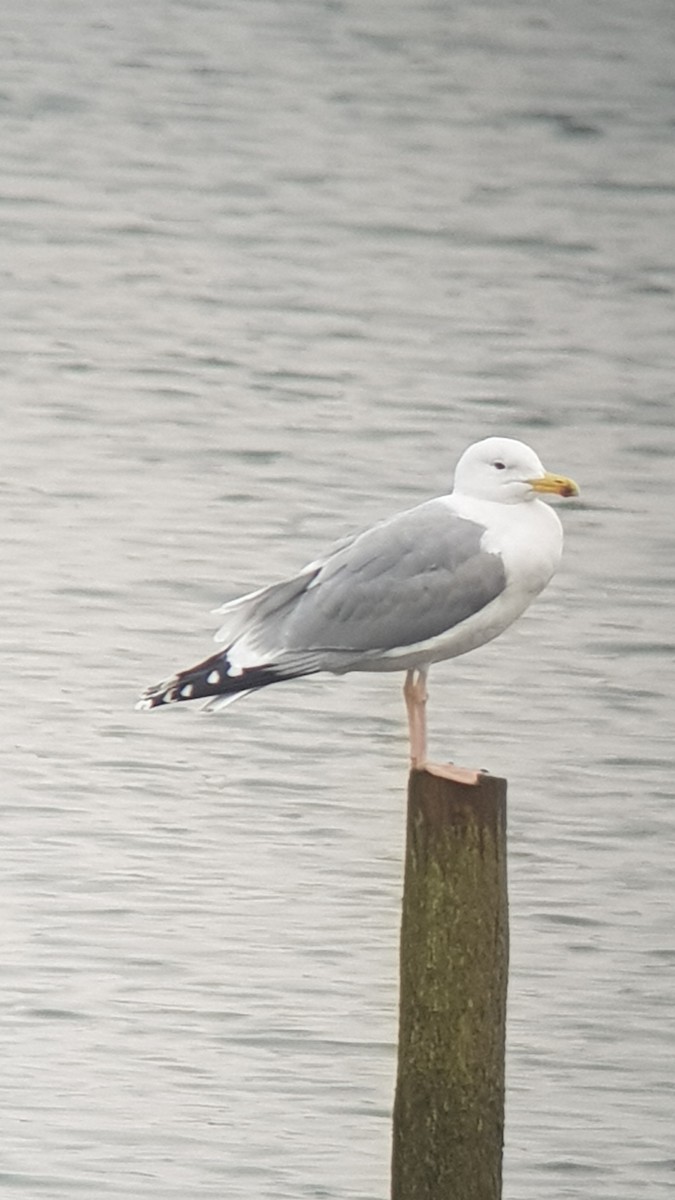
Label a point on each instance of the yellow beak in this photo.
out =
(558, 485)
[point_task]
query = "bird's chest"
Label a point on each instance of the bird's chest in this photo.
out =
(530, 546)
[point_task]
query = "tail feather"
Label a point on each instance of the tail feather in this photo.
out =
(215, 681)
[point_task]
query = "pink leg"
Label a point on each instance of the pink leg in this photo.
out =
(415, 694)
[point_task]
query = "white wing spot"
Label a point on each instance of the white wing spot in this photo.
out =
(186, 692)
(213, 678)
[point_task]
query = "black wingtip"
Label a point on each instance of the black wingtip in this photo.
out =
(208, 680)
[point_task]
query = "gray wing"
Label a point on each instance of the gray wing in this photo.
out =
(407, 580)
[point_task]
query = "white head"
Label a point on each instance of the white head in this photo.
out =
(507, 471)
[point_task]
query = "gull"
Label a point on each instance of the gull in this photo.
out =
(429, 584)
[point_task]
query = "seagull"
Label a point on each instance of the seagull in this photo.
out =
(426, 585)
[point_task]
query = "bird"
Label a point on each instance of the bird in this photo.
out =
(429, 584)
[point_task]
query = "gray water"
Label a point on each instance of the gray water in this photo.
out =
(267, 267)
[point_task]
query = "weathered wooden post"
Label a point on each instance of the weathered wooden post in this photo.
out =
(449, 1106)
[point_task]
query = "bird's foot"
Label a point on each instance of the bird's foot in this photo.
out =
(457, 774)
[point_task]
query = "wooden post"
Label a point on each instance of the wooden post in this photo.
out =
(449, 1106)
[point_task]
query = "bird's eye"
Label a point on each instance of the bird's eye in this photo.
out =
(499, 466)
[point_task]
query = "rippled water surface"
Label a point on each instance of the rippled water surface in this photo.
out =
(267, 268)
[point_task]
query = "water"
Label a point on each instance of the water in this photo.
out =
(267, 268)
